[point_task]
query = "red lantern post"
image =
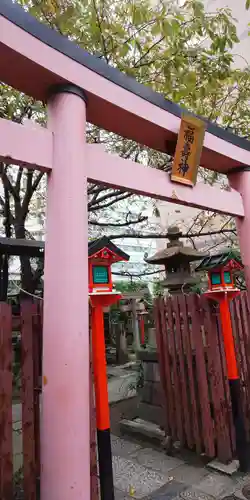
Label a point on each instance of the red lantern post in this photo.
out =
(102, 254)
(222, 290)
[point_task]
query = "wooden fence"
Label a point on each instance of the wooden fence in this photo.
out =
(197, 404)
(23, 398)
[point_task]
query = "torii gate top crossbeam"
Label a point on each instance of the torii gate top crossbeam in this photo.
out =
(33, 57)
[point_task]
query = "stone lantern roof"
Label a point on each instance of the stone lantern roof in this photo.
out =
(175, 252)
(176, 259)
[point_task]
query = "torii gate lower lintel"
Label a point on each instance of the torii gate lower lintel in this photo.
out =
(33, 59)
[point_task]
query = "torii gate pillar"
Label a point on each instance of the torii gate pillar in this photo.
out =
(240, 181)
(65, 453)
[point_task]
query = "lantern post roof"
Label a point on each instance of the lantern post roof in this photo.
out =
(224, 258)
(22, 247)
(95, 246)
(36, 248)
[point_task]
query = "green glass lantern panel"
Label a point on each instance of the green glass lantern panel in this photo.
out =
(216, 279)
(100, 275)
(227, 278)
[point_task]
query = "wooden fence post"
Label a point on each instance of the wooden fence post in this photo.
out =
(37, 367)
(215, 377)
(27, 399)
(6, 460)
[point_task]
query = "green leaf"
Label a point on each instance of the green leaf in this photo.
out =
(167, 27)
(123, 50)
(200, 77)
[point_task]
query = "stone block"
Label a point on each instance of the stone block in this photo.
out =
(140, 427)
(147, 355)
(238, 495)
(157, 461)
(129, 475)
(120, 495)
(189, 474)
(151, 413)
(152, 338)
(146, 393)
(157, 395)
(156, 370)
(228, 469)
(169, 491)
(123, 448)
(216, 485)
(195, 494)
(242, 486)
(148, 371)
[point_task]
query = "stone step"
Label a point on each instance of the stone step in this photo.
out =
(143, 428)
(228, 469)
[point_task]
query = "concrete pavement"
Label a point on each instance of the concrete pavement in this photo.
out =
(145, 473)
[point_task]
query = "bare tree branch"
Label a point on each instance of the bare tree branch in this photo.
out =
(164, 235)
(118, 224)
(28, 194)
(103, 42)
(137, 275)
(111, 194)
(30, 189)
(37, 181)
(19, 178)
(7, 184)
(110, 203)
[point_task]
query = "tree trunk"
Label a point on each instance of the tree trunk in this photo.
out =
(4, 265)
(26, 270)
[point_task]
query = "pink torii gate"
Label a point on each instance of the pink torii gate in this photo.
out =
(80, 87)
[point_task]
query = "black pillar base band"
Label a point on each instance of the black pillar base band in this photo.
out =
(67, 88)
(105, 464)
(242, 447)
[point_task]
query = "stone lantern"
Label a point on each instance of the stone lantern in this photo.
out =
(176, 259)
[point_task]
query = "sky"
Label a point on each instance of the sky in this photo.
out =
(239, 12)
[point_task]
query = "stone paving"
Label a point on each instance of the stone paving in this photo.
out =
(144, 473)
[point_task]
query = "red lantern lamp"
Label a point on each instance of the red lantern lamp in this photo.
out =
(102, 254)
(221, 288)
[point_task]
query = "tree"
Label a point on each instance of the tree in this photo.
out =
(180, 51)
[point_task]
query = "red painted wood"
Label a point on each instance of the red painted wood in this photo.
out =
(226, 386)
(6, 460)
(93, 448)
(245, 318)
(186, 339)
(37, 357)
(242, 352)
(93, 455)
(161, 358)
(193, 302)
(176, 377)
(196, 350)
(27, 399)
(246, 335)
(164, 356)
(182, 373)
(215, 379)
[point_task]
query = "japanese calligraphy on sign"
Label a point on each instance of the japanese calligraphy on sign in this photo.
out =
(188, 150)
